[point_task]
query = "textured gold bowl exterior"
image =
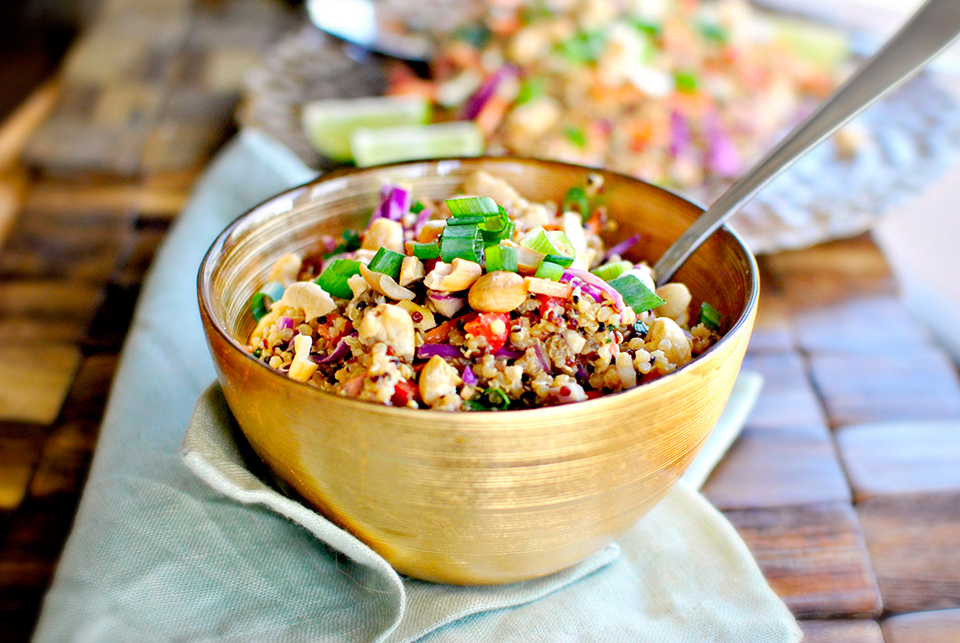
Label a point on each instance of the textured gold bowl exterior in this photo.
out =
(475, 498)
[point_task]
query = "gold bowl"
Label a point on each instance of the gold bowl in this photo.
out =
(477, 497)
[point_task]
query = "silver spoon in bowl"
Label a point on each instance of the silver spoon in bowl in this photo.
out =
(931, 30)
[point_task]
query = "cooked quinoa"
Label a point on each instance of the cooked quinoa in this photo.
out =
(500, 304)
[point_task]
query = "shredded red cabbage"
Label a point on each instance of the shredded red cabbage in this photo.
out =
(394, 203)
(544, 362)
(472, 106)
(338, 353)
(443, 350)
(679, 134)
(508, 353)
(723, 158)
(623, 246)
(590, 279)
(421, 221)
(284, 322)
(469, 377)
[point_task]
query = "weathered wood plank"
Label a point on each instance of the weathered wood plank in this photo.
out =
(905, 457)
(915, 384)
(20, 447)
(938, 626)
(862, 325)
(34, 380)
(787, 398)
(913, 545)
(856, 631)
(46, 310)
(775, 467)
(773, 330)
(814, 558)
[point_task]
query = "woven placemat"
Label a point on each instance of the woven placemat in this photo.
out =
(909, 139)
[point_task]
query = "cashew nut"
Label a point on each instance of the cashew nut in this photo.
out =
(383, 233)
(391, 325)
(431, 231)
(286, 269)
(497, 292)
(667, 336)
(453, 277)
(358, 285)
(427, 320)
(411, 270)
(437, 379)
(385, 284)
(307, 296)
(677, 299)
(445, 304)
(302, 367)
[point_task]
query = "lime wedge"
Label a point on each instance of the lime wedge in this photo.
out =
(389, 144)
(329, 124)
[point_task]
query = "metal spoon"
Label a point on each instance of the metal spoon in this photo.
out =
(931, 30)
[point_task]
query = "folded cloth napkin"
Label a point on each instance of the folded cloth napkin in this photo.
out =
(157, 555)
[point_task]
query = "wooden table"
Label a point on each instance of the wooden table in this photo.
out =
(856, 526)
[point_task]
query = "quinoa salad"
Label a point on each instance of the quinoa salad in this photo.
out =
(680, 93)
(484, 301)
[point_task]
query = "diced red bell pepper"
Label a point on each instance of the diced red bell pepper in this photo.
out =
(404, 392)
(494, 326)
(547, 302)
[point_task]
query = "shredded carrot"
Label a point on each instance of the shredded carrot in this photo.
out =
(491, 115)
(440, 333)
(547, 287)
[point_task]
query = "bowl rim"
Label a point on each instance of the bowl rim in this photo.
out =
(217, 246)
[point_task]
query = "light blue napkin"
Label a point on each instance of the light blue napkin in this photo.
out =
(157, 555)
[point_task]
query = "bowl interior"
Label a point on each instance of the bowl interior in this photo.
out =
(721, 272)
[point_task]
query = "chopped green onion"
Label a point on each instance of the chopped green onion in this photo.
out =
(501, 258)
(549, 270)
(686, 81)
(417, 208)
(462, 241)
(576, 136)
(577, 200)
(351, 242)
(466, 219)
(710, 316)
(334, 278)
(491, 235)
(482, 205)
(531, 89)
(260, 303)
(490, 399)
(426, 250)
(584, 47)
(647, 27)
(560, 260)
(713, 31)
(562, 243)
(387, 262)
(538, 241)
(610, 271)
(635, 293)
(258, 306)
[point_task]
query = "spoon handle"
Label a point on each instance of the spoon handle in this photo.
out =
(931, 29)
